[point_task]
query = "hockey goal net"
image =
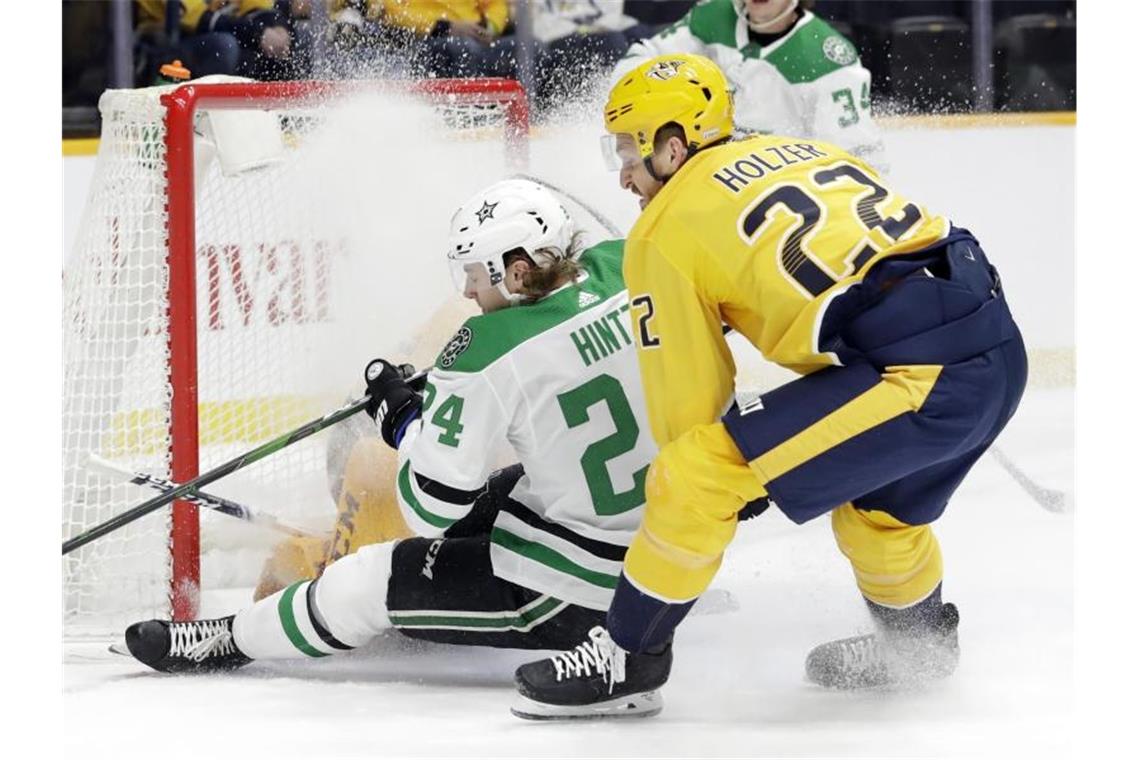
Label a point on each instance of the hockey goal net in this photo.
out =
(244, 250)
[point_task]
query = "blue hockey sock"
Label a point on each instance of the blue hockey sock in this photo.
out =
(638, 622)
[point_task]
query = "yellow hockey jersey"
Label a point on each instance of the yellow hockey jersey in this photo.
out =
(193, 10)
(762, 235)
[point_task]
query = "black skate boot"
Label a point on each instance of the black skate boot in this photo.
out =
(898, 655)
(197, 646)
(596, 679)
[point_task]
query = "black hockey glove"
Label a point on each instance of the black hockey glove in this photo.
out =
(393, 402)
(753, 508)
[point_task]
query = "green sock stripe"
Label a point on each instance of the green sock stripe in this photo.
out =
(289, 621)
(524, 618)
(554, 560)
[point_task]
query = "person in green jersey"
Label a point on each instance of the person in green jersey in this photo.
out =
(791, 72)
(526, 556)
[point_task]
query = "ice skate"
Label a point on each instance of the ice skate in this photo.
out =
(890, 657)
(196, 646)
(596, 679)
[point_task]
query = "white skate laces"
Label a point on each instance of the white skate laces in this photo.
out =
(201, 639)
(860, 652)
(598, 654)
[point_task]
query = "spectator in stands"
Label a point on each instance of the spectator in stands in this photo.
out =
(792, 73)
(578, 41)
(456, 38)
(355, 27)
(250, 38)
(200, 47)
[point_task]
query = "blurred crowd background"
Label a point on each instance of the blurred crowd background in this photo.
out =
(924, 56)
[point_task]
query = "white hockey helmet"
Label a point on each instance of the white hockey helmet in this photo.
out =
(762, 28)
(507, 216)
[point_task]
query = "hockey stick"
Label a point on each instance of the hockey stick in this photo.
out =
(1048, 499)
(199, 498)
(219, 472)
(601, 219)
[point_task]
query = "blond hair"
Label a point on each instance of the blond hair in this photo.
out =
(542, 280)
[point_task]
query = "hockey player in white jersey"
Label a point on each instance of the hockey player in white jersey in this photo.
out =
(526, 557)
(792, 73)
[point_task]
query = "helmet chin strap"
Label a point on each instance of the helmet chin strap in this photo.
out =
(513, 299)
(761, 28)
(541, 259)
(648, 161)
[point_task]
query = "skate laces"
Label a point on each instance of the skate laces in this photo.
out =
(886, 650)
(860, 651)
(598, 654)
(199, 640)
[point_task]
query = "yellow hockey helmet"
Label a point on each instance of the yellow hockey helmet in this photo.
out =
(684, 88)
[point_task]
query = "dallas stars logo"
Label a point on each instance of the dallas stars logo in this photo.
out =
(485, 213)
(456, 346)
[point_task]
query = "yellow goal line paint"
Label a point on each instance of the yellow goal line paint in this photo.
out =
(87, 146)
(975, 120)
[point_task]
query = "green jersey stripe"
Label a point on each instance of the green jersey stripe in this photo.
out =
(554, 560)
(404, 482)
(289, 621)
(524, 620)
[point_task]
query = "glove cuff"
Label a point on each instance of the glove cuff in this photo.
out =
(402, 408)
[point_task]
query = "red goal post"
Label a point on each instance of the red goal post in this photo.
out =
(101, 339)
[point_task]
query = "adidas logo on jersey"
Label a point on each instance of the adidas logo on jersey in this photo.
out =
(587, 299)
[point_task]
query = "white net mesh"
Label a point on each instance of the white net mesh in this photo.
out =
(308, 264)
(115, 348)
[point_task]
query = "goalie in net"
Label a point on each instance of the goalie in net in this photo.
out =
(526, 556)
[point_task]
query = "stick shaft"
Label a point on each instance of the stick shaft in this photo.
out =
(217, 473)
(1047, 498)
(200, 498)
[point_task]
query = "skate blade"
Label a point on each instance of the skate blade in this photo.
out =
(642, 705)
(120, 647)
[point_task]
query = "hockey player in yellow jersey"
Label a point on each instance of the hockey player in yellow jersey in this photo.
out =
(911, 365)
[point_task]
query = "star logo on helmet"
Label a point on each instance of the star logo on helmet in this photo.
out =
(487, 212)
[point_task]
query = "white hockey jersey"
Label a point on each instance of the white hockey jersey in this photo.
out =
(553, 19)
(558, 381)
(808, 83)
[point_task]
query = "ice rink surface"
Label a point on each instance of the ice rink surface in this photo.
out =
(737, 687)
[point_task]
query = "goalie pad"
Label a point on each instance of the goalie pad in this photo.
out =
(367, 513)
(361, 471)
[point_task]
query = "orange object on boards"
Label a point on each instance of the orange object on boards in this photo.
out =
(175, 70)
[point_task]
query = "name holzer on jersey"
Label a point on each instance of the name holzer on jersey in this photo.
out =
(740, 173)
